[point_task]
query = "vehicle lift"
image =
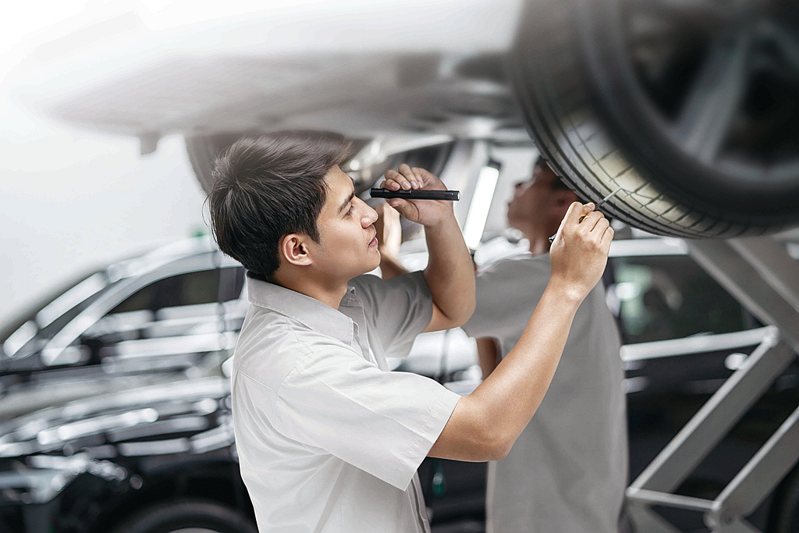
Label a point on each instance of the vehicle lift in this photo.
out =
(760, 273)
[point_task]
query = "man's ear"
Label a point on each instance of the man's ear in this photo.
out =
(294, 249)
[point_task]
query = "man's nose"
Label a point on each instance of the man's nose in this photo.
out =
(369, 217)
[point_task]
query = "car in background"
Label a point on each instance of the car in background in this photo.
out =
(161, 454)
(151, 318)
(684, 336)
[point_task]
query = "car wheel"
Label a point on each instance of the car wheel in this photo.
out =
(195, 515)
(689, 106)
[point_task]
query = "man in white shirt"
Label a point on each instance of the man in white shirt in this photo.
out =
(328, 439)
(567, 471)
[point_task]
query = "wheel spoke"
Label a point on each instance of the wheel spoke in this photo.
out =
(715, 97)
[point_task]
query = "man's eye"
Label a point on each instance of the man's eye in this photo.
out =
(349, 211)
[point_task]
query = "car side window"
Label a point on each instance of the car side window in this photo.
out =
(191, 288)
(670, 296)
(178, 305)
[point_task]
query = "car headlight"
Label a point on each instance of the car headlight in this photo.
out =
(44, 477)
(32, 486)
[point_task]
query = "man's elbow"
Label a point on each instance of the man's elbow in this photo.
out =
(459, 314)
(494, 445)
(474, 434)
(449, 318)
(468, 311)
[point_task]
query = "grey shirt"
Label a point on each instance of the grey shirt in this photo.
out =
(567, 472)
(328, 439)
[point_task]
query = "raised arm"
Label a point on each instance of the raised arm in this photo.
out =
(449, 273)
(485, 424)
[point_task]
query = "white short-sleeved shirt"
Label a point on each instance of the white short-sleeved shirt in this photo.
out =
(567, 472)
(328, 439)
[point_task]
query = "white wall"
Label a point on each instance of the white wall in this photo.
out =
(71, 199)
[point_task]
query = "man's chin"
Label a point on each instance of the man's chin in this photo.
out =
(372, 263)
(367, 266)
(376, 262)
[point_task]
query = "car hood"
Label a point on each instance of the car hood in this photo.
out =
(191, 415)
(26, 393)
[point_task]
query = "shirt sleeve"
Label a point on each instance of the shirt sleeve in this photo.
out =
(397, 309)
(381, 422)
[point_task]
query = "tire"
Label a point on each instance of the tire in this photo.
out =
(583, 102)
(203, 516)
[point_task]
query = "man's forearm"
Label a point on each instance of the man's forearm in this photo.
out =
(450, 272)
(486, 423)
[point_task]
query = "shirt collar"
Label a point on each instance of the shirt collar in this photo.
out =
(309, 311)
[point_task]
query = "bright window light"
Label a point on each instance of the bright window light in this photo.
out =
(481, 203)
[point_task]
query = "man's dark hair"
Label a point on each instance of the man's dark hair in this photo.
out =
(268, 187)
(557, 182)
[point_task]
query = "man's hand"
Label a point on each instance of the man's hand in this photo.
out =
(389, 239)
(425, 212)
(579, 252)
(389, 231)
(449, 273)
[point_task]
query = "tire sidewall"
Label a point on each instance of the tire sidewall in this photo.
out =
(183, 514)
